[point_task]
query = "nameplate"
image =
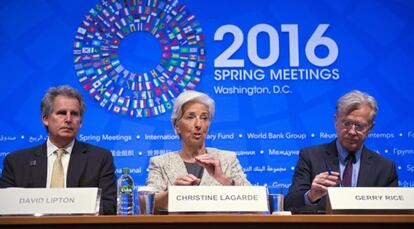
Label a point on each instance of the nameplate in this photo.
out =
(370, 200)
(217, 199)
(45, 201)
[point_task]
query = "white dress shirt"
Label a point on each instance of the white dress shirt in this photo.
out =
(51, 156)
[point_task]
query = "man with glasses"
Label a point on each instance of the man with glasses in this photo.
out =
(344, 162)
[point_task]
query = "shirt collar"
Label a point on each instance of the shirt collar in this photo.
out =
(51, 148)
(343, 153)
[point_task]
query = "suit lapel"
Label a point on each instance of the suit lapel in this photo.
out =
(39, 167)
(77, 163)
(332, 160)
(175, 167)
(365, 166)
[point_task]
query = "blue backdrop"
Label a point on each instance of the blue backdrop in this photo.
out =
(274, 68)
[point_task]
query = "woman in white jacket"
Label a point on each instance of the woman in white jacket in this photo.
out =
(194, 164)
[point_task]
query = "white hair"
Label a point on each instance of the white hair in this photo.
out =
(353, 100)
(191, 96)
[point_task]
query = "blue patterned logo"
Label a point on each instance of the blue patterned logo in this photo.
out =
(138, 94)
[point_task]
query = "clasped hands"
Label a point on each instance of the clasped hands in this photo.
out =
(212, 164)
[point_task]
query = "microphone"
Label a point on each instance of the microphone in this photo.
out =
(32, 167)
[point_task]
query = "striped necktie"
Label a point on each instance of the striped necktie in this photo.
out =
(347, 175)
(58, 176)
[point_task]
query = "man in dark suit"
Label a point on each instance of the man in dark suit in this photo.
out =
(343, 162)
(78, 165)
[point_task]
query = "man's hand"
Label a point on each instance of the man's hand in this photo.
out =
(320, 185)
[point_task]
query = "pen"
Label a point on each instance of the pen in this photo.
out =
(330, 173)
(327, 168)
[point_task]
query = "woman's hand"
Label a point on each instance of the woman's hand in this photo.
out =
(212, 164)
(188, 179)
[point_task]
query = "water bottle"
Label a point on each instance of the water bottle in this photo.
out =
(125, 194)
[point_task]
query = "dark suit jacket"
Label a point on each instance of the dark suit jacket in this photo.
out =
(374, 171)
(89, 166)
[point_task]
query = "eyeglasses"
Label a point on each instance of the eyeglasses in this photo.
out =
(359, 127)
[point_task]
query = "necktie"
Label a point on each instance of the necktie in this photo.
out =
(347, 175)
(58, 176)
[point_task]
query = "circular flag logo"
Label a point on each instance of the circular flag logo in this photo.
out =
(127, 92)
